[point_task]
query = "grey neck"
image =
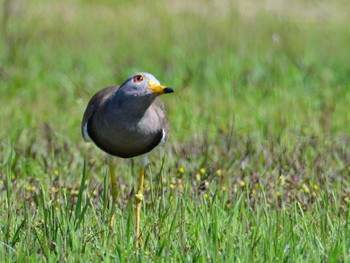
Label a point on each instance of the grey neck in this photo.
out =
(135, 106)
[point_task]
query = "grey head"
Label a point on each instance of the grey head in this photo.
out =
(140, 90)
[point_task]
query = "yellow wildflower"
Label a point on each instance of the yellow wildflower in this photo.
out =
(242, 183)
(181, 170)
(202, 171)
(55, 172)
(74, 192)
(282, 180)
(218, 172)
(29, 188)
(305, 188)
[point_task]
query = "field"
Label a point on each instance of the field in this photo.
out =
(257, 165)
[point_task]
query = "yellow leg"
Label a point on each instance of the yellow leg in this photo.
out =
(138, 198)
(114, 193)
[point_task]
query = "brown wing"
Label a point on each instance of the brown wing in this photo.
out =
(98, 99)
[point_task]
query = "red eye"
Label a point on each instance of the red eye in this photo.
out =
(138, 78)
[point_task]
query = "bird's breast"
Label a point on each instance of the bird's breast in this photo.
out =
(126, 136)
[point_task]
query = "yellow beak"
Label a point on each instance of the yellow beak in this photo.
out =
(159, 89)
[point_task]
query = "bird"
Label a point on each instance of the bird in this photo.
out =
(125, 122)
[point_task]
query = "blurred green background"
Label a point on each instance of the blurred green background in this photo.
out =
(278, 67)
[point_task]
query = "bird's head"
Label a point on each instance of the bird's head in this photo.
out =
(143, 85)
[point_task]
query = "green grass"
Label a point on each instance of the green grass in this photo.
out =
(257, 164)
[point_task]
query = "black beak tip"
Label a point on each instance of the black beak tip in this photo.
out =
(168, 90)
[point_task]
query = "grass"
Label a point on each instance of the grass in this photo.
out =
(257, 164)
